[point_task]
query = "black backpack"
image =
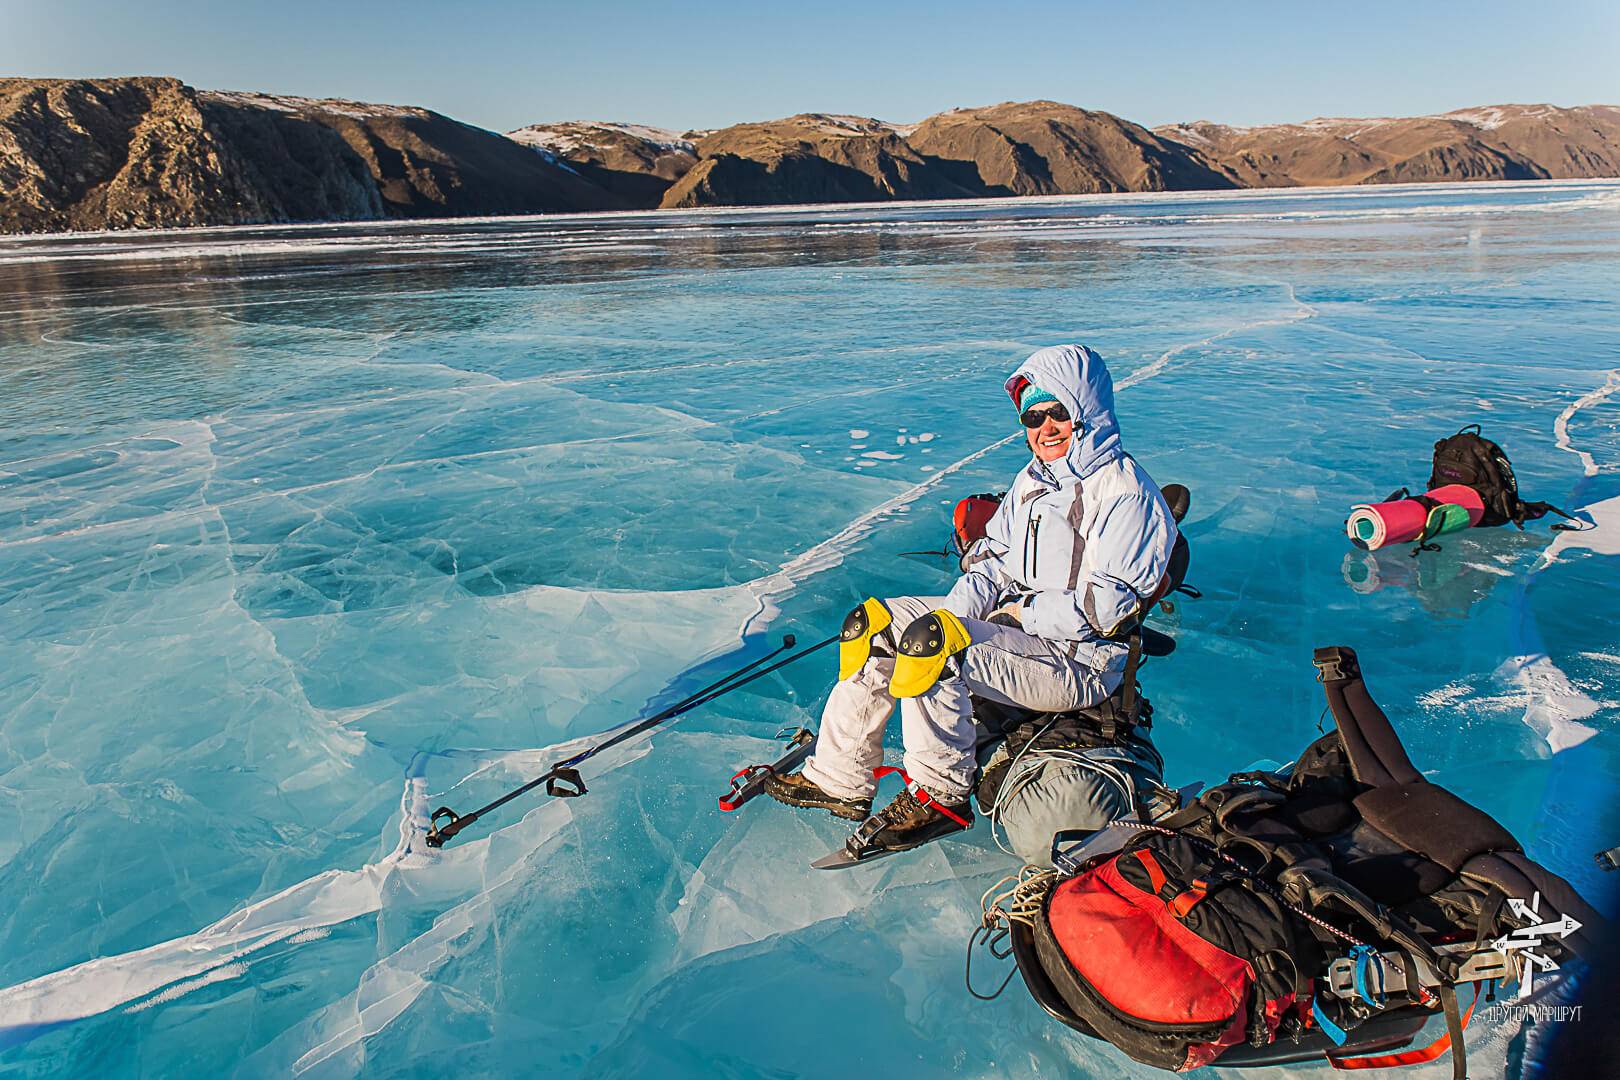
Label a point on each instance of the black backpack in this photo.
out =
(1469, 458)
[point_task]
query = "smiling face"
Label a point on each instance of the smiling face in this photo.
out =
(1051, 439)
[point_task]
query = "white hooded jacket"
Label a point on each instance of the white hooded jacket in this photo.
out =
(1086, 538)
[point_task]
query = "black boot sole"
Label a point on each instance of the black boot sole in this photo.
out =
(916, 838)
(842, 856)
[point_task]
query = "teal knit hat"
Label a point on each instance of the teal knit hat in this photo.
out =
(1033, 395)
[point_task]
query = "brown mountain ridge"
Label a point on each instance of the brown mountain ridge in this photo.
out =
(153, 152)
(1497, 142)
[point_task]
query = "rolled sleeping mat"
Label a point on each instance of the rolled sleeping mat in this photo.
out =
(1447, 509)
(1460, 508)
(1372, 525)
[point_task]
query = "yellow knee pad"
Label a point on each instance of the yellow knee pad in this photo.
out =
(861, 625)
(924, 648)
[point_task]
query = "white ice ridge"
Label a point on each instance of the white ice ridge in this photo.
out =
(1301, 312)
(301, 912)
(1556, 705)
(110, 981)
(830, 552)
(1561, 425)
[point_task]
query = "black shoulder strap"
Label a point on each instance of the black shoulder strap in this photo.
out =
(1424, 534)
(1376, 755)
(1533, 511)
(1454, 1030)
(1133, 660)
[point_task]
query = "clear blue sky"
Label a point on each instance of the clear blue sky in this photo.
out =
(707, 64)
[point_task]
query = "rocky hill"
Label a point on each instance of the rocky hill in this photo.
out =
(1027, 148)
(1498, 142)
(153, 152)
(813, 158)
(1047, 148)
(633, 160)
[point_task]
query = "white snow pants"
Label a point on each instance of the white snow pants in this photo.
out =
(1003, 664)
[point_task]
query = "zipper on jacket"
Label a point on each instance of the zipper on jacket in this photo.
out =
(1033, 547)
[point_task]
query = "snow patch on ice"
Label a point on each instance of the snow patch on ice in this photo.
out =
(180, 990)
(1445, 697)
(1555, 705)
(1603, 538)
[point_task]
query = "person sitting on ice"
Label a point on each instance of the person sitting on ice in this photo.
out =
(1073, 558)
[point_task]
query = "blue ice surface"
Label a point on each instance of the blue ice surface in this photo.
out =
(289, 516)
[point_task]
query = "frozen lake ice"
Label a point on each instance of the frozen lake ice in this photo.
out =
(298, 524)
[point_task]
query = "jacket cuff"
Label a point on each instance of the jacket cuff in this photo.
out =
(1044, 611)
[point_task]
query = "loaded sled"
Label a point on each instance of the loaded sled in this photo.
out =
(1324, 911)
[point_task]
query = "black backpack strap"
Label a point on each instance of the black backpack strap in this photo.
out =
(1422, 539)
(1375, 752)
(1490, 912)
(1532, 511)
(1127, 699)
(1504, 496)
(1454, 1030)
(1477, 430)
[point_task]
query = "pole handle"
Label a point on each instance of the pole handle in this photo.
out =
(560, 777)
(437, 836)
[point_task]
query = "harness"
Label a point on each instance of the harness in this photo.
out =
(1118, 721)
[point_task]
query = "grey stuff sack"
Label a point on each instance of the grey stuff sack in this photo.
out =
(1048, 792)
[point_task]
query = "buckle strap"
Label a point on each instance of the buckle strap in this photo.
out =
(919, 793)
(1334, 663)
(1368, 974)
(1333, 1031)
(1186, 901)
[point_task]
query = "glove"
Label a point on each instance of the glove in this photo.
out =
(1009, 614)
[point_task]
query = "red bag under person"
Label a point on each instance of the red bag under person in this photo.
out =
(1173, 956)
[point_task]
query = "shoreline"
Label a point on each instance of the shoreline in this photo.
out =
(777, 210)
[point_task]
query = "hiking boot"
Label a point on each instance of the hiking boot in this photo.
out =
(907, 823)
(796, 789)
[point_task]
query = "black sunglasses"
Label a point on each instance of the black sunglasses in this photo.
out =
(1036, 415)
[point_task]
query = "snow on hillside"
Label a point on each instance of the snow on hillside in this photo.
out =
(287, 103)
(570, 136)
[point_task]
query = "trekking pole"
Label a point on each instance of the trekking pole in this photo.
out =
(564, 770)
(563, 781)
